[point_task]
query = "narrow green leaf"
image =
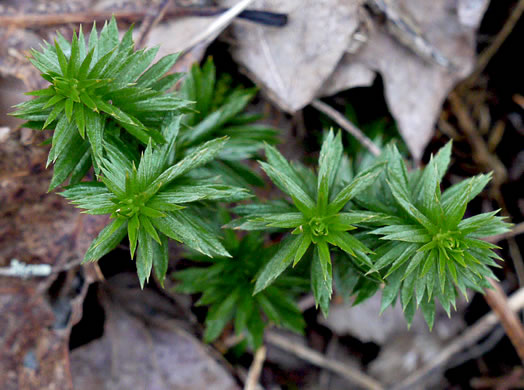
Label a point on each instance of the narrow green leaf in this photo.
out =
(359, 184)
(157, 70)
(200, 156)
(442, 160)
(107, 240)
(428, 311)
(285, 220)
(391, 290)
(132, 231)
(185, 227)
(305, 242)
(62, 60)
(329, 161)
(219, 316)
(278, 263)
(321, 286)
(144, 258)
(300, 198)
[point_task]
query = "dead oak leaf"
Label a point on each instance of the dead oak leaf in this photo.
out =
(145, 351)
(293, 62)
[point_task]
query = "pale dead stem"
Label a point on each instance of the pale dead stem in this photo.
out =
(255, 369)
(468, 338)
(150, 22)
(495, 45)
(498, 302)
(219, 24)
(311, 356)
(517, 229)
(21, 20)
(347, 125)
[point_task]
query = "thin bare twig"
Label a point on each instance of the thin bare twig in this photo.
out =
(497, 300)
(306, 302)
(255, 369)
(21, 20)
(517, 229)
(486, 56)
(465, 340)
(316, 358)
(347, 125)
(481, 154)
(219, 24)
(150, 23)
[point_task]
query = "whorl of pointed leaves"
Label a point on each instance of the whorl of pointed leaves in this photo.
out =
(106, 78)
(110, 109)
(316, 217)
(227, 284)
(428, 250)
(152, 202)
(219, 111)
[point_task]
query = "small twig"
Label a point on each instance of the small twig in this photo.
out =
(316, 358)
(481, 153)
(218, 25)
(21, 20)
(517, 229)
(478, 349)
(513, 380)
(306, 302)
(498, 302)
(518, 261)
(255, 370)
(325, 375)
(347, 125)
(486, 56)
(150, 23)
(230, 342)
(465, 340)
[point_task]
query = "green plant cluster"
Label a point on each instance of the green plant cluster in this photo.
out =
(226, 285)
(166, 165)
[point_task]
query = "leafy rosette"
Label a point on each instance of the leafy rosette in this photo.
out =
(316, 216)
(227, 285)
(428, 250)
(154, 202)
(219, 111)
(89, 83)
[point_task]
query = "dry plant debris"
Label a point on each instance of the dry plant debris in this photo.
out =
(161, 356)
(309, 58)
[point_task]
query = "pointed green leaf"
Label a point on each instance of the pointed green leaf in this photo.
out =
(278, 263)
(321, 286)
(144, 258)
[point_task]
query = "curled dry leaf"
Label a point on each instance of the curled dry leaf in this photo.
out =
(415, 89)
(296, 64)
(364, 322)
(145, 350)
(292, 63)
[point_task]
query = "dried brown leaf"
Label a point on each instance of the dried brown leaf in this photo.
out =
(145, 351)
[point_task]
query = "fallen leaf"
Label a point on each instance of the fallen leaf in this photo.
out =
(414, 88)
(348, 74)
(173, 37)
(293, 62)
(364, 322)
(145, 351)
(404, 353)
(296, 64)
